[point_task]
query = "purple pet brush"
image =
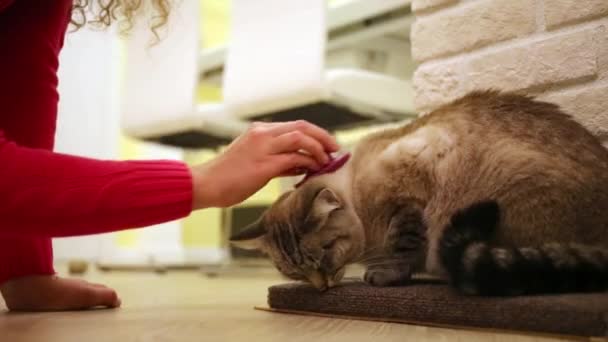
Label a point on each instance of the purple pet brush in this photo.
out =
(333, 165)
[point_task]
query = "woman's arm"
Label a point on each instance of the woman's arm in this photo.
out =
(4, 4)
(50, 194)
(46, 194)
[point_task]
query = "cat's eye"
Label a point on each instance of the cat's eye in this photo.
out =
(331, 243)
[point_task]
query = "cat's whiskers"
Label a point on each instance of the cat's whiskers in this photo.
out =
(370, 255)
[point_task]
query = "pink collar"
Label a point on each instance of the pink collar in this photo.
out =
(334, 165)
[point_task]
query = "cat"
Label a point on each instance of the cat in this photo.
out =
(497, 193)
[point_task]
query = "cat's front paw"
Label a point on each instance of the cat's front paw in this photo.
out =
(386, 277)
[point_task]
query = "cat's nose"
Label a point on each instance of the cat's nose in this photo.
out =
(318, 280)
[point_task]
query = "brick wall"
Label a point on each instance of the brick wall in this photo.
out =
(556, 49)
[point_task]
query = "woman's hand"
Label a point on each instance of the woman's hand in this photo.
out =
(51, 293)
(265, 151)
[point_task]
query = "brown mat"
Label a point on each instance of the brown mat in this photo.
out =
(437, 304)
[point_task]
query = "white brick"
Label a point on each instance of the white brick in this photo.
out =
(470, 26)
(561, 12)
(588, 105)
(423, 5)
(436, 84)
(559, 59)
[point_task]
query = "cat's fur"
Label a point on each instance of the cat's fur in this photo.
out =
(499, 193)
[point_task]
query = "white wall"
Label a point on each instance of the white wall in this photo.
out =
(88, 123)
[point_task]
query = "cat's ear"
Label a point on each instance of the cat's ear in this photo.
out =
(324, 204)
(251, 238)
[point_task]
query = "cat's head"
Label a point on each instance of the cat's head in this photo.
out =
(309, 233)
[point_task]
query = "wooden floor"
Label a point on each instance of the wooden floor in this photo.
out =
(187, 306)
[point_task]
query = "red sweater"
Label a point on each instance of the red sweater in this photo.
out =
(45, 194)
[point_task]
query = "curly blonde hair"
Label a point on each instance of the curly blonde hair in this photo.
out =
(102, 13)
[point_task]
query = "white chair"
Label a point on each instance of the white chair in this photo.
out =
(158, 94)
(275, 70)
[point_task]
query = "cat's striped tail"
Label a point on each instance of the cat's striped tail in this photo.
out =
(476, 266)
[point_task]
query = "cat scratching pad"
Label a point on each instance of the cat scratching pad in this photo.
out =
(439, 305)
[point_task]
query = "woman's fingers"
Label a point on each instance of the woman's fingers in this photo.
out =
(322, 136)
(293, 163)
(293, 173)
(295, 141)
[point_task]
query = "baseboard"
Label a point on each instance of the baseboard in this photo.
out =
(177, 258)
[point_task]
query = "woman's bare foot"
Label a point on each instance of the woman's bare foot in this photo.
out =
(51, 293)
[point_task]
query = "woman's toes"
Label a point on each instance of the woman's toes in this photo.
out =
(91, 296)
(50, 293)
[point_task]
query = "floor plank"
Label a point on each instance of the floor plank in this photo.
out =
(188, 306)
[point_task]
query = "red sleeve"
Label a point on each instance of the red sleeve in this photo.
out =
(4, 4)
(25, 256)
(51, 194)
